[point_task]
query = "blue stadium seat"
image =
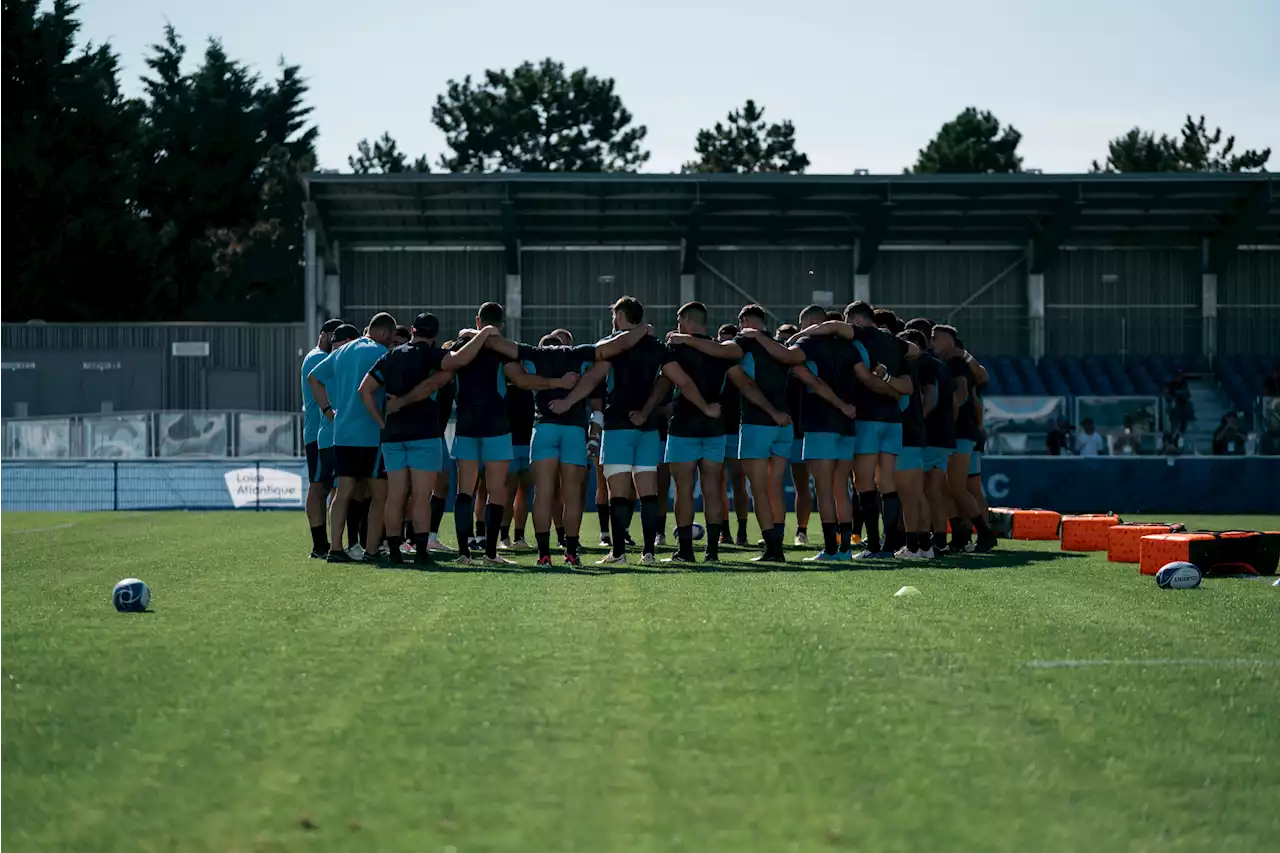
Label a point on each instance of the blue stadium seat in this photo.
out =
(1198, 363)
(1143, 383)
(1074, 372)
(1030, 377)
(1097, 376)
(1160, 369)
(1114, 369)
(1054, 381)
(1009, 379)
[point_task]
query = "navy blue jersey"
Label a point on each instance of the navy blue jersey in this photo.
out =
(912, 406)
(400, 371)
(482, 396)
(769, 374)
(966, 417)
(940, 424)
(830, 358)
(709, 374)
(552, 363)
(878, 347)
(631, 377)
(521, 414)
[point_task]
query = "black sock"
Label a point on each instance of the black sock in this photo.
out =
(492, 521)
(845, 529)
(829, 543)
(619, 520)
(684, 541)
(773, 543)
(926, 540)
(959, 532)
(871, 519)
(742, 528)
(559, 537)
(421, 542)
(319, 538)
(480, 527)
(894, 536)
(780, 530)
(913, 541)
(393, 548)
(464, 511)
(437, 513)
(939, 539)
(353, 524)
(505, 530)
(544, 543)
(571, 544)
(980, 525)
(650, 521)
(604, 512)
(714, 531)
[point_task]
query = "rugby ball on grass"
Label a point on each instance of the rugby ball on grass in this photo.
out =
(1179, 576)
(131, 596)
(698, 532)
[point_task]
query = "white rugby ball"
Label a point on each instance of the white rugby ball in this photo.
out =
(698, 532)
(1179, 576)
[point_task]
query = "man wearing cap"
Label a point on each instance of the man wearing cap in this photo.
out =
(319, 476)
(335, 382)
(411, 436)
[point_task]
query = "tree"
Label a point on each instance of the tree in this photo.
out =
(972, 142)
(383, 157)
(1199, 150)
(74, 249)
(219, 194)
(748, 144)
(537, 119)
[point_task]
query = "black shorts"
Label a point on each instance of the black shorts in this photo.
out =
(360, 462)
(320, 465)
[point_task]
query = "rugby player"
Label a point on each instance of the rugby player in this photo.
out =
(734, 478)
(799, 470)
(765, 434)
(357, 453)
(822, 358)
(631, 449)
(411, 435)
(559, 449)
(440, 494)
(958, 466)
(909, 473)
(520, 410)
(401, 337)
(319, 475)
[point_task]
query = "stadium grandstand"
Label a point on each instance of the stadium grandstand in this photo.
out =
(1145, 304)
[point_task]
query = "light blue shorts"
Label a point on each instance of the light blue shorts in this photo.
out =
(878, 437)
(685, 448)
(559, 441)
(910, 459)
(519, 458)
(637, 448)
(797, 451)
(490, 448)
(964, 445)
(934, 458)
(421, 455)
(827, 445)
(731, 445)
(756, 441)
(975, 463)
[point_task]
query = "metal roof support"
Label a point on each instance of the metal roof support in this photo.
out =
(513, 305)
(1035, 315)
(1209, 300)
(311, 282)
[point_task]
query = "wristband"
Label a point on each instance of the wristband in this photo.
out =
(597, 419)
(326, 410)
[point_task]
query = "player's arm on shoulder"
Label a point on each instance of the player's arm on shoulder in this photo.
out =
(976, 369)
(459, 359)
(727, 350)
(368, 387)
(502, 346)
(823, 390)
(900, 384)
(519, 377)
(775, 350)
(619, 344)
(689, 389)
(827, 327)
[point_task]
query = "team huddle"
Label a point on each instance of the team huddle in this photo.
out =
(882, 417)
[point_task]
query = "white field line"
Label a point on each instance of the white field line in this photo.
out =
(67, 524)
(1071, 664)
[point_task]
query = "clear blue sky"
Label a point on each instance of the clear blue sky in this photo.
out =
(866, 83)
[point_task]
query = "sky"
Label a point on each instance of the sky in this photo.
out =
(866, 84)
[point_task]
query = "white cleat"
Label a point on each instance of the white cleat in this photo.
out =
(612, 560)
(498, 560)
(660, 541)
(648, 560)
(802, 538)
(927, 554)
(408, 549)
(437, 545)
(464, 560)
(605, 542)
(504, 544)
(903, 554)
(355, 552)
(519, 543)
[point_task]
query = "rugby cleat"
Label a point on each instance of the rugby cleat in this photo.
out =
(519, 543)
(648, 560)
(824, 557)
(573, 560)
(318, 555)
(802, 538)
(498, 560)
(679, 559)
(355, 552)
(544, 562)
(612, 560)
(339, 557)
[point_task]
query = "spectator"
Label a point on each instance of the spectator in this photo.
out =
(1228, 440)
(1269, 443)
(1060, 439)
(1127, 444)
(1172, 444)
(1090, 442)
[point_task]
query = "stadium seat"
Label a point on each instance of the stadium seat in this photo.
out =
(1197, 363)
(1097, 376)
(1143, 382)
(1074, 372)
(1009, 378)
(1113, 368)
(1054, 381)
(1030, 377)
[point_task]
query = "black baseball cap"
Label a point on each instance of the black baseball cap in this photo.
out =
(426, 325)
(345, 332)
(330, 326)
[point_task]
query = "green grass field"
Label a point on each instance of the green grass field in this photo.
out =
(274, 703)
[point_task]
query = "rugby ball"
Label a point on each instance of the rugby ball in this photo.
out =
(698, 532)
(1179, 576)
(131, 596)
